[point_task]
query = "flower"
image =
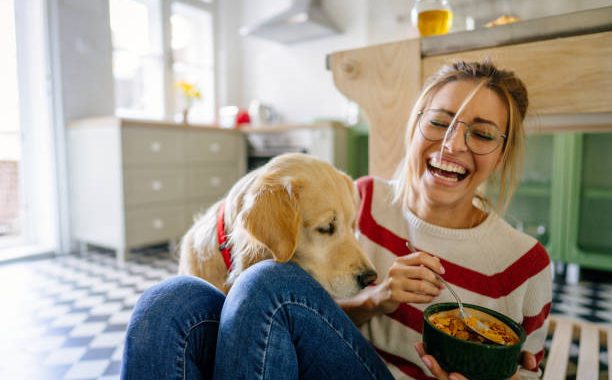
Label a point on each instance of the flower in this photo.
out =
(190, 92)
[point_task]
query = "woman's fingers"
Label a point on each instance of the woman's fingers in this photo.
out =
(432, 364)
(423, 258)
(529, 360)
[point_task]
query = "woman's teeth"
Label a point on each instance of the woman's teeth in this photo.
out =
(447, 170)
(447, 166)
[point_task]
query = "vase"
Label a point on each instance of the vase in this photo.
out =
(186, 116)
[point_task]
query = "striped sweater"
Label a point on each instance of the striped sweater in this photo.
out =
(492, 265)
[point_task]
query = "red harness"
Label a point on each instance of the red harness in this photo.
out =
(224, 246)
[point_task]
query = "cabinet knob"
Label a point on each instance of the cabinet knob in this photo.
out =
(156, 185)
(215, 147)
(155, 146)
(158, 223)
(215, 181)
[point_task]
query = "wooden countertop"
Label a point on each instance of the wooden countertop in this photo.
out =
(245, 129)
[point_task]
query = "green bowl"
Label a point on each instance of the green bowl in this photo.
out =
(478, 361)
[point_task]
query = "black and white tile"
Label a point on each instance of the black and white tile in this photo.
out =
(65, 317)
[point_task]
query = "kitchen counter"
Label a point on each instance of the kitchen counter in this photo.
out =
(565, 62)
(572, 24)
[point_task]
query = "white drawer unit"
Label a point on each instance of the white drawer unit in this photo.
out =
(137, 183)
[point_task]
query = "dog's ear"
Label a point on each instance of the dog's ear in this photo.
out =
(271, 215)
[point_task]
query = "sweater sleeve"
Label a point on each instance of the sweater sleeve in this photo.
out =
(536, 308)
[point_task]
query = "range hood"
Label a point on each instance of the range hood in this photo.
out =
(304, 20)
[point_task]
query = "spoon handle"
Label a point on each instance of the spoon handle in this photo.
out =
(455, 295)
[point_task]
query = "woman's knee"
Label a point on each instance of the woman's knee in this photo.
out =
(180, 298)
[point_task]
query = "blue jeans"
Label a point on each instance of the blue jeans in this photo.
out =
(276, 323)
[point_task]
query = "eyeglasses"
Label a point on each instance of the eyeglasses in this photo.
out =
(480, 137)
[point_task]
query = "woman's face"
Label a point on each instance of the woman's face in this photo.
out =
(452, 180)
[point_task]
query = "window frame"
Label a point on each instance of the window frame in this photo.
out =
(161, 29)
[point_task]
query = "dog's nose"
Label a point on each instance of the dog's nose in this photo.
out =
(366, 278)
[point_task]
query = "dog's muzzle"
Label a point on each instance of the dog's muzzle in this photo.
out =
(366, 278)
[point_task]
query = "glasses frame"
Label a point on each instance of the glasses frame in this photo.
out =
(465, 134)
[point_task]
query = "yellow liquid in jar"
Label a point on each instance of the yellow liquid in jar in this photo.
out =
(433, 22)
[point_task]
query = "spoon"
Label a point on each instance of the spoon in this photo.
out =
(470, 321)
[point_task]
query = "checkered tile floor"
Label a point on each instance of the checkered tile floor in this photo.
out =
(65, 318)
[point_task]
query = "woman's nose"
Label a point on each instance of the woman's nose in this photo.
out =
(454, 141)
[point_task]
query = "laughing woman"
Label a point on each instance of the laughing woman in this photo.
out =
(466, 130)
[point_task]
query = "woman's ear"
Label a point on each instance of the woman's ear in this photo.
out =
(271, 216)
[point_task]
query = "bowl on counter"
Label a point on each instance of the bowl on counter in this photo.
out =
(474, 358)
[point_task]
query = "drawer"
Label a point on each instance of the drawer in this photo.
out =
(153, 185)
(154, 225)
(209, 181)
(152, 146)
(212, 146)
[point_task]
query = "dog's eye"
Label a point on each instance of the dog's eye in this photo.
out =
(328, 229)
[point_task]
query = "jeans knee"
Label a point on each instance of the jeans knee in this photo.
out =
(272, 280)
(182, 297)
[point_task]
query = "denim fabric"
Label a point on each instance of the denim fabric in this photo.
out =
(172, 333)
(277, 322)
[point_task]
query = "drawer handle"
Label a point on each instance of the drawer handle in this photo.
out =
(215, 181)
(215, 147)
(157, 185)
(155, 146)
(158, 223)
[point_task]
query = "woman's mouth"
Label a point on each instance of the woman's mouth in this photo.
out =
(446, 170)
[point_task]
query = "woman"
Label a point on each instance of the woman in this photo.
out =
(277, 322)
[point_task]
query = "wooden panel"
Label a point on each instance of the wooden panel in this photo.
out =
(154, 225)
(384, 81)
(609, 349)
(211, 146)
(145, 146)
(210, 181)
(146, 185)
(588, 354)
(564, 75)
(556, 364)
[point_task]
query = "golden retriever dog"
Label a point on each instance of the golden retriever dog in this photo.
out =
(295, 208)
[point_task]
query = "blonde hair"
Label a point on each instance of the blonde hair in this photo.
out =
(512, 91)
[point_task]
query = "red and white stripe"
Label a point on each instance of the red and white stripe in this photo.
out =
(492, 265)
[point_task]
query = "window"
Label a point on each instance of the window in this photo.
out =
(145, 76)
(11, 211)
(29, 202)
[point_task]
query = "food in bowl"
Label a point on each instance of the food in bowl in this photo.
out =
(451, 323)
(473, 359)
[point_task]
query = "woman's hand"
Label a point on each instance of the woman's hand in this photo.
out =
(410, 279)
(435, 369)
(528, 361)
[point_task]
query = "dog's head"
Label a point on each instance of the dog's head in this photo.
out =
(302, 209)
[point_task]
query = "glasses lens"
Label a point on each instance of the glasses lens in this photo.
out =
(433, 124)
(483, 138)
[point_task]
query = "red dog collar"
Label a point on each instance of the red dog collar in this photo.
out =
(222, 237)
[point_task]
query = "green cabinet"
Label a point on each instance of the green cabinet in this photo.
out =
(565, 197)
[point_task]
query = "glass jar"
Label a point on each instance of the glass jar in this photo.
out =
(432, 17)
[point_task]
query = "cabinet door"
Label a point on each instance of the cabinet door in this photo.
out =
(593, 228)
(530, 209)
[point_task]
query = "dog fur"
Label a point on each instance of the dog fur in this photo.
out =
(295, 208)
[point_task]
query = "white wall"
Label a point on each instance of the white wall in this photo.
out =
(85, 58)
(293, 78)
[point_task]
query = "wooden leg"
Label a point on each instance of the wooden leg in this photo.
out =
(122, 255)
